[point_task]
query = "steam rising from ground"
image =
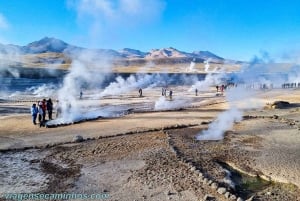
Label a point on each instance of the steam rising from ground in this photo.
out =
(164, 103)
(9, 56)
(83, 73)
(242, 97)
(122, 85)
(211, 79)
(206, 65)
(223, 122)
(144, 81)
(44, 90)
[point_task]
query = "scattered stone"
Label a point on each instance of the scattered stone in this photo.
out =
(239, 199)
(78, 138)
(227, 195)
(275, 116)
(232, 197)
(210, 182)
(193, 168)
(214, 185)
(221, 190)
(251, 198)
(208, 198)
(204, 123)
(280, 104)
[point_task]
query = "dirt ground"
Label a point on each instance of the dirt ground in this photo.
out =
(154, 155)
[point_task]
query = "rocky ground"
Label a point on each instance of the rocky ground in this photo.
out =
(152, 159)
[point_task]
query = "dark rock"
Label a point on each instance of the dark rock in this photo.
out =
(78, 138)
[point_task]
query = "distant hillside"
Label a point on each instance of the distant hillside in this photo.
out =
(55, 51)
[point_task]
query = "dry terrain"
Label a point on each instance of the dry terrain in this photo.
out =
(154, 155)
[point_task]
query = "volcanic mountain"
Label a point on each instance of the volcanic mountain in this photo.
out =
(55, 53)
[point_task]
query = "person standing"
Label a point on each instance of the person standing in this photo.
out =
(140, 92)
(49, 108)
(196, 92)
(44, 108)
(222, 88)
(41, 113)
(34, 113)
(58, 109)
(81, 93)
(170, 94)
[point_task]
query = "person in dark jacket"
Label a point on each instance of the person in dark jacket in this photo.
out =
(44, 108)
(49, 108)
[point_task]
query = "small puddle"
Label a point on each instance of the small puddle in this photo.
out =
(245, 186)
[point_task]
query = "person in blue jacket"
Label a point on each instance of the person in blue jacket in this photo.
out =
(34, 112)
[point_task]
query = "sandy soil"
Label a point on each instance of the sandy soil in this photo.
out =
(153, 155)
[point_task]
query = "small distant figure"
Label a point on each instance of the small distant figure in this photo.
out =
(196, 92)
(41, 113)
(162, 91)
(222, 88)
(140, 92)
(170, 94)
(34, 113)
(49, 108)
(81, 93)
(58, 109)
(217, 87)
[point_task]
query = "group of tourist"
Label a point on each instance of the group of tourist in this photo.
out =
(39, 110)
(221, 88)
(291, 85)
(164, 92)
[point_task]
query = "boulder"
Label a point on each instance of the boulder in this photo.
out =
(78, 138)
(280, 104)
(221, 190)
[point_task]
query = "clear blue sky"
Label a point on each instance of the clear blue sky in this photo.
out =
(236, 29)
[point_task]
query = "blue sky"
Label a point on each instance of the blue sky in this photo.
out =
(235, 29)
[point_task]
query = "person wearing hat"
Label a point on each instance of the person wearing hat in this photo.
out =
(41, 113)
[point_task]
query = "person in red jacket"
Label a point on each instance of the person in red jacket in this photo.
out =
(44, 108)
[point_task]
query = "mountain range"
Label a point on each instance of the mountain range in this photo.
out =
(53, 45)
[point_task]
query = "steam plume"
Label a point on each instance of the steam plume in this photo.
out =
(243, 97)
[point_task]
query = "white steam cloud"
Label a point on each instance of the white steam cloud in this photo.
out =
(86, 71)
(223, 122)
(136, 11)
(206, 66)
(242, 97)
(44, 90)
(3, 22)
(164, 103)
(9, 57)
(122, 85)
(110, 18)
(211, 79)
(192, 66)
